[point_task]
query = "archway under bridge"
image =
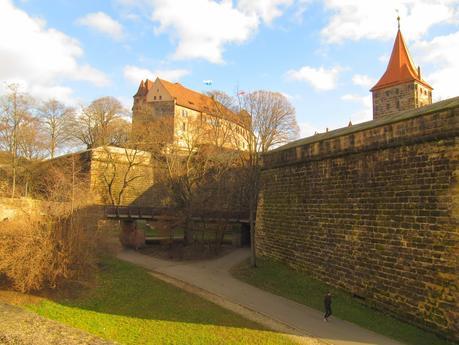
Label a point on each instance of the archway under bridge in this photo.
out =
(132, 237)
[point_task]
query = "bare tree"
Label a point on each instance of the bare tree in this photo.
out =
(180, 153)
(273, 119)
(15, 111)
(56, 119)
(119, 171)
(31, 139)
(273, 123)
(101, 123)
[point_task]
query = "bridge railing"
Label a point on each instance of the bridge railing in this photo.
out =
(139, 212)
(129, 212)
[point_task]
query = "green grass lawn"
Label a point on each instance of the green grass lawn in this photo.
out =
(150, 230)
(131, 307)
(300, 287)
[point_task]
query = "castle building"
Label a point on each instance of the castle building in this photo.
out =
(190, 112)
(401, 87)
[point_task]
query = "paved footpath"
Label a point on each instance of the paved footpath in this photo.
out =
(213, 277)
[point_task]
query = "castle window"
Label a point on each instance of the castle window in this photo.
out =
(184, 126)
(154, 97)
(160, 97)
(387, 106)
(396, 91)
(398, 104)
(387, 93)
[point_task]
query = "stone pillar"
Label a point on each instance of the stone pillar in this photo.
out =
(237, 236)
(131, 236)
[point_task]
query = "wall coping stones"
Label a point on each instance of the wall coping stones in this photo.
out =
(433, 122)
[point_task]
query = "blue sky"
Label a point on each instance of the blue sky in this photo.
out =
(323, 55)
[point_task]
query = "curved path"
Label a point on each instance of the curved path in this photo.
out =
(211, 279)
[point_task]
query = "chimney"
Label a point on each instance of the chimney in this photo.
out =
(419, 72)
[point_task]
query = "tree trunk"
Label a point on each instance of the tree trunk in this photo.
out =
(13, 188)
(253, 257)
(188, 233)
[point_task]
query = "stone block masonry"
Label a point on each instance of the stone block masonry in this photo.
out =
(373, 209)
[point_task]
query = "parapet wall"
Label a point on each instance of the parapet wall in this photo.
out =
(373, 209)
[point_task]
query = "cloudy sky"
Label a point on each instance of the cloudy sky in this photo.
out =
(323, 55)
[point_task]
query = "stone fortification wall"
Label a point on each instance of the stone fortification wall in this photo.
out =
(120, 176)
(373, 209)
(17, 207)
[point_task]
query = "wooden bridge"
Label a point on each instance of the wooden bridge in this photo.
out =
(129, 212)
(154, 213)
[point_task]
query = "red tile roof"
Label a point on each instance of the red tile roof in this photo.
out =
(197, 101)
(401, 68)
(144, 87)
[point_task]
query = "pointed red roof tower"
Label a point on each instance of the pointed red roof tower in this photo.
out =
(401, 87)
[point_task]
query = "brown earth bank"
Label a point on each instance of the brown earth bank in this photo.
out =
(20, 327)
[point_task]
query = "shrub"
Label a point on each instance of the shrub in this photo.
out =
(41, 251)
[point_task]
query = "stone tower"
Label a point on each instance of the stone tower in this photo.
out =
(401, 87)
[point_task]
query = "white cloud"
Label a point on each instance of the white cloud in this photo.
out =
(357, 19)
(362, 80)
(135, 74)
(268, 10)
(39, 58)
(307, 129)
(442, 52)
(103, 23)
(384, 59)
(319, 78)
(203, 27)
(300, 8)
(366, 111)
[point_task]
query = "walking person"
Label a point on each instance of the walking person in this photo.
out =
(327, 305)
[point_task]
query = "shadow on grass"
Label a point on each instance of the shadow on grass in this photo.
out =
(127, 290)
